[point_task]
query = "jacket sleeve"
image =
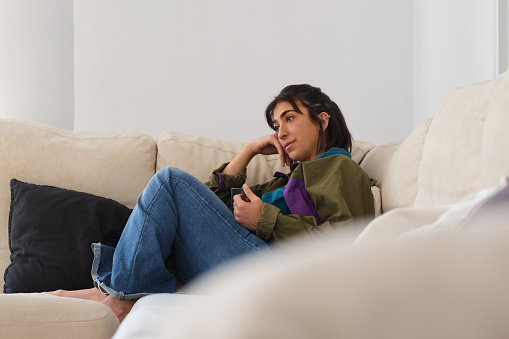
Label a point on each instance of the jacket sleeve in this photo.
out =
(221, 184)
(273, 225)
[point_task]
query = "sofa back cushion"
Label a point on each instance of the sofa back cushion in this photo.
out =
(454, 150)
(494, 157)
(111, 165)
(458, 152)
(199, 156)
(395, 165)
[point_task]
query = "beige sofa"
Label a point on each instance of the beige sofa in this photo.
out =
(434, 265)
(456, 153)
(114, 165)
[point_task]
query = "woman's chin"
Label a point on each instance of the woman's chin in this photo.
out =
(296, 159)
(292, 156)
(299, 157)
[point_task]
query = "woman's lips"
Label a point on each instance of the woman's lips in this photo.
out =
(288, 145)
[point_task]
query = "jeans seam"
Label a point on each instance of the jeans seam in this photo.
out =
(127, 283)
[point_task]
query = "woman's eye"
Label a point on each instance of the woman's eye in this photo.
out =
(289, 118)
(276, 128)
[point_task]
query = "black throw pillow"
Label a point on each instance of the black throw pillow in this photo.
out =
(50, 235)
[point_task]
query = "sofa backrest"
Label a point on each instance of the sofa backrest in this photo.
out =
(199, 156)
(456, 153)
(112, 165)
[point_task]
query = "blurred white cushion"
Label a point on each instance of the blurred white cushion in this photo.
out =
(477, 210)
(154, 311)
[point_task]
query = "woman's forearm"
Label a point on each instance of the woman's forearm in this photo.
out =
(266, 145)
(240, 162)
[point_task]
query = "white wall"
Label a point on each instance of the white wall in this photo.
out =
(36, 61)
(454, 45)
(211, 67)
(503, 35)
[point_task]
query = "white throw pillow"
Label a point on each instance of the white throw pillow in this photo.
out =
(487, 208)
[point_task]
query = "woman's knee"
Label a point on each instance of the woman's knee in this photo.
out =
(168, 173)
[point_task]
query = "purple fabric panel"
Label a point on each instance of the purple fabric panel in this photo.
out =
(298, 199)
(281, 174)
(221, 182)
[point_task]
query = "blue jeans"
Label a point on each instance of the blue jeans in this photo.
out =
(176, 215)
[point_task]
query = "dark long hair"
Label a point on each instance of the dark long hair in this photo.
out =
(316, 102)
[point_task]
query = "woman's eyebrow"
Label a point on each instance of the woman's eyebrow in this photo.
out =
(284, 113)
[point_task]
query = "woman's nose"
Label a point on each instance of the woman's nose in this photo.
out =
(281, 132)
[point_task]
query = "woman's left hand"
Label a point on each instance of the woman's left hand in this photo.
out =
(247, 212)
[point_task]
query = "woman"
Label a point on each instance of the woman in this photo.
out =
(178, 216)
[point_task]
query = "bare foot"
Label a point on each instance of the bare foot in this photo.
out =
(120, 307)
(88, 294)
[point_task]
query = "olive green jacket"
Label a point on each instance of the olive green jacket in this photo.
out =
(340, 191)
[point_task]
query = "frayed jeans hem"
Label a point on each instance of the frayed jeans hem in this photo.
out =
(105, 289)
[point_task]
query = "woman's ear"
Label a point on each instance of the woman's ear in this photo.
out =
(324, 119)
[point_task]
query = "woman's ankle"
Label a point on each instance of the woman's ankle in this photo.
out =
(121, 308)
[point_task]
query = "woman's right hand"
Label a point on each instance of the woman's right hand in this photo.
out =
(265, 145)
(269, 144)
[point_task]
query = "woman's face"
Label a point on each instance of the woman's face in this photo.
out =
(297, 133)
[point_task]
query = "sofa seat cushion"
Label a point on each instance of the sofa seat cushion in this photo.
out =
(49, 317)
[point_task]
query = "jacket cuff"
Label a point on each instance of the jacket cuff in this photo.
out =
(227, 181)
(267, 221)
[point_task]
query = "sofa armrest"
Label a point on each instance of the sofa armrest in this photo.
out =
(377, 164)
(45, 316)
